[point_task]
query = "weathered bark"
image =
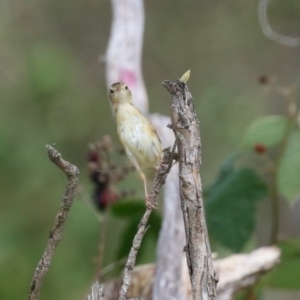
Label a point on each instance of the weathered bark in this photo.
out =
(158, 182)
(55, 235)
(167, 284)
(96, 292)
(127, 275)
(168, 281)
(186, 127)
(236, 272)
(240, 271)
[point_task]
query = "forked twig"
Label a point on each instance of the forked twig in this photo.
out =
(158, 182)
(55, 235)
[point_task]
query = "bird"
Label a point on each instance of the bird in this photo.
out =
(137, 135)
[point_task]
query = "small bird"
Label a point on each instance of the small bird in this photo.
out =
(138, 136)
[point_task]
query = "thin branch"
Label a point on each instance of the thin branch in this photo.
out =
(240, 271)
(142, 228)
(96, 292)
(167, 283)
(101, 247)
(186, 127)
(267, 29)
(158, 182)
(112, 266)
(236, 272)
(55, 236)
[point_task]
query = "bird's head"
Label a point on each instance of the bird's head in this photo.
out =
(119, 93)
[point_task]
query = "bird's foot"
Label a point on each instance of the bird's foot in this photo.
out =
(161, 165)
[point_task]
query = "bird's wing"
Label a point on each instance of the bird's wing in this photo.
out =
(154, 131)
(138, 136)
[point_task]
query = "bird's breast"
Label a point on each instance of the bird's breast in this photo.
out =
(138, 135)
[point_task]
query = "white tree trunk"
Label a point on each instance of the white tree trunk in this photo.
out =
(124, 52)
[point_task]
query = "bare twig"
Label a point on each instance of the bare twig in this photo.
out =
(267, 29)
(112, 266)
(237, 272)
(240, 271)
(142, 228)
(99, 259)
(186, 127)
(158, 182)
(168, 272)
(96, 292)
(55, 236)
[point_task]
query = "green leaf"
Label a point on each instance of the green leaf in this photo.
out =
(155, 221)
(286, 275)
(231, 206)
(226, 169)
(130, 231)
(127, 238)
(290, 248)
(267, 131)
(289, 169)
(128, 208)
(133, 210)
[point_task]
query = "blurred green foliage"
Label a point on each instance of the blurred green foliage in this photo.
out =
(53, 91)
(268, 131)
(289, 169)
(133, 211)
(231, 205)
(286, 274)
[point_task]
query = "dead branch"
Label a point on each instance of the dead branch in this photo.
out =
(142, 228)
(236, 272)
(158, 182)
(240, 271)
(96, 292)
(267, 29)
(55, 236)
(186, 127)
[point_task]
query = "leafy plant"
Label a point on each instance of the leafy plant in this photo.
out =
(231, 204)
(132, 211)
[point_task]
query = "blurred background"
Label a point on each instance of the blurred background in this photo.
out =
(53, 91)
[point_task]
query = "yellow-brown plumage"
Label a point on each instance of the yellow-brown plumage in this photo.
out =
(136, 133)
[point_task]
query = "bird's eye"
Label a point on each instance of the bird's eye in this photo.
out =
(111, 91)
(126, 87)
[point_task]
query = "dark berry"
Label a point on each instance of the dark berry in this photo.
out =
(93, 156)
(260, 148)
(263, 79)
(104, 197)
